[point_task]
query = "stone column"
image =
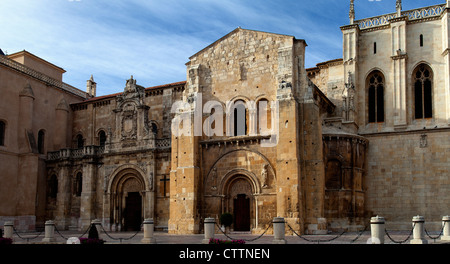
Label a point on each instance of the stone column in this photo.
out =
(210, 224)
(446, 226)
(25, 122)
(9, 229)
(399, 78)
(445, 19)
(285, 130)
(148, 232)
(87, 210)
(419, 232)
(279, 231)
(62, 119)
(377, 227)
(49, 232)
(63, 198)
(185, 179)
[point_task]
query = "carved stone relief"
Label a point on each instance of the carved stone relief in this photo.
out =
(129, 122)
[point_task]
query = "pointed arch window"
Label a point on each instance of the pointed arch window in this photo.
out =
(423, 86)
(375, 83)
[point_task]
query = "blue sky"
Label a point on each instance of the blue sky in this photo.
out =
(153, 39)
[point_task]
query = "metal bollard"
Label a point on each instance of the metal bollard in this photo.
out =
(49, 232)
(148, 232)
(209, 224)
(378, 229)
(279, 226)
(446, 226)
(419, 230)
(9, 229)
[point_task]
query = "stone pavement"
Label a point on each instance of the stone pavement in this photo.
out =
(165, 238)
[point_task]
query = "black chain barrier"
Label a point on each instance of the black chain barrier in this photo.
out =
(317, 241)
(440, 233)
(360, 234)
(121, 238)
(106, 233)
(246, 240)
(61, 235)
(402, 241)
(26, 238)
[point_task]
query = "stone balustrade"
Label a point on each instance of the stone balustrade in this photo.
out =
(76, 153)
(415, 14)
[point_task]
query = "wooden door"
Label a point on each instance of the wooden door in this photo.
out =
(242, 213)
(133, 212)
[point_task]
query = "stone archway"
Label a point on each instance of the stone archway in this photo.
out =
(239, 200)
(127, 201)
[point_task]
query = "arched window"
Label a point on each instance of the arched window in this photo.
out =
(41, 141)
(423, 85)
(154, 128)
(264, 116)
(102, 138)
(333, 175)
(375, 84)
(80, 141)
(53, 186)
(240, 118)
(78, 184)
(2, 133)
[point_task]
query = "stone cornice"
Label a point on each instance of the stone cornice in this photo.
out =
(405, 132)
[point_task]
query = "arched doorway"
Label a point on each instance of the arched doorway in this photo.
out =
(127, 202)
(240, 200)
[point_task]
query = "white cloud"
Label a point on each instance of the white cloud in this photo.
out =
(153, 39)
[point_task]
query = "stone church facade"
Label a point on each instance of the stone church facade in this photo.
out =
(262, 136)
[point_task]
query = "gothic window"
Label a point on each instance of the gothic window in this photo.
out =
(333, 175)
(423, 84)
(102, 138)
(41, 141)
(2, 133)
(80, 141)
(264, 116)
(78, 184)
(421, 40)
(240, 118)
(374, 48)
(53, 186)
(376, 97)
